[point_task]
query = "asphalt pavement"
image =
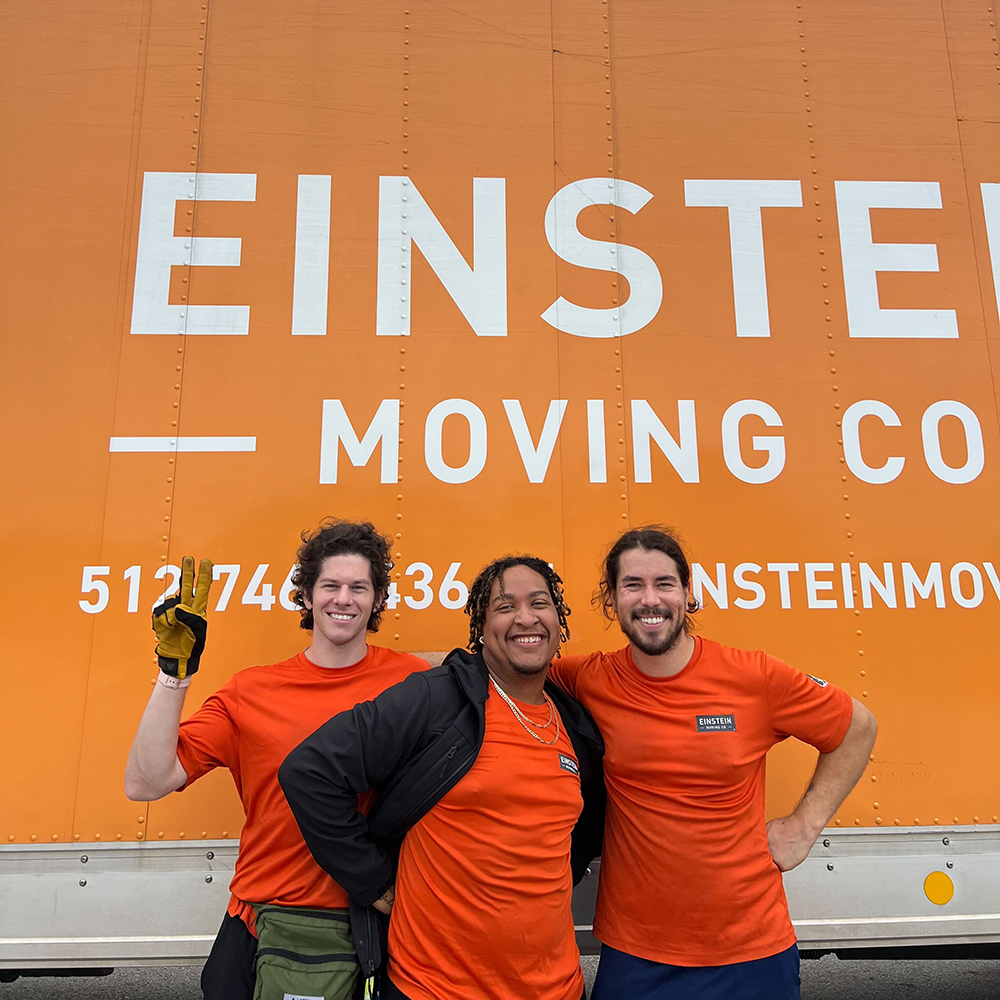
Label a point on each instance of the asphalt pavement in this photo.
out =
(823, 979)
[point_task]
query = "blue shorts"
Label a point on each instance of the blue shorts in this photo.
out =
(622, 976)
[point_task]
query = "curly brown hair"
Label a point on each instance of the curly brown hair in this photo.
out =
(649, 538)
(479, 594)
(336, 537)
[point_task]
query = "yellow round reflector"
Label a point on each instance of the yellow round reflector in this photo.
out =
(939, 888)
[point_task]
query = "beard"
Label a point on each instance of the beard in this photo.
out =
(652, 645)
(529, 669)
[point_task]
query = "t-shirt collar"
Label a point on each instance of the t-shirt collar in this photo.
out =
(322, 671)
(695, 657)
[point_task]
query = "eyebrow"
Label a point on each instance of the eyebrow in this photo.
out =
(510, 597)
(639, 579)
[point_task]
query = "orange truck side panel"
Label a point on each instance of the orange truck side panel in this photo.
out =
(99, 97)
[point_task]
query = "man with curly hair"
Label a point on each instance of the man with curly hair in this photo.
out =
(490, 805)
(690, 904)
(258, 715)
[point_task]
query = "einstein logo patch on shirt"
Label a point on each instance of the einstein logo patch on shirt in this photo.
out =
(716, 723)
(568, 764)
(819, 680)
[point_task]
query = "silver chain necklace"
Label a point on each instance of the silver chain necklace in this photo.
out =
(523, 719)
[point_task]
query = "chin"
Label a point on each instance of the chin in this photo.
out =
(530, 669)
(341, 638)
(654, 645)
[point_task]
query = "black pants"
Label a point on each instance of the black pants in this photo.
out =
(391, 992)
(229, 972)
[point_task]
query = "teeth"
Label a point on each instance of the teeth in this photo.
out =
(659, 620)
(340, 618)
(527, 640)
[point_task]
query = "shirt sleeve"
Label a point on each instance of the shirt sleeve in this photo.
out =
(210, 738)
(565, 671)
(806, 707)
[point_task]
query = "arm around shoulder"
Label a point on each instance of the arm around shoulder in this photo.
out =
(433, 657)
(565, 672)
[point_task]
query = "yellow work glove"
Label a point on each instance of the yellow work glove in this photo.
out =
(181, 622)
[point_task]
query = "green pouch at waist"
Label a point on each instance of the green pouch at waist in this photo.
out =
(304, 954)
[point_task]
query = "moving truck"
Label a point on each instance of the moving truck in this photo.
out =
(499, 276)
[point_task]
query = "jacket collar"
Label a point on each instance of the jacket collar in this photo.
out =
(469, 670)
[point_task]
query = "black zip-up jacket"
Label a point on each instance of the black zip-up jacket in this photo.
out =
(412, 744)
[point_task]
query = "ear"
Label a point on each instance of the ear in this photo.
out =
(614, 603)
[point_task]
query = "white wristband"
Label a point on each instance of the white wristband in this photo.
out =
(175, 683)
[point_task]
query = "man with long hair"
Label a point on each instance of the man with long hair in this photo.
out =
(690, 904)
(490, 790)
(256, 717)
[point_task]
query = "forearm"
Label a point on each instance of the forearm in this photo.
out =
(838, 772)
(336, 833)
(153, 768)
(351, 753)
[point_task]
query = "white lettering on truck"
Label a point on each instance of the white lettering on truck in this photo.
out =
(745, 199)
(159, 250)
(572, 246)
(480, 290)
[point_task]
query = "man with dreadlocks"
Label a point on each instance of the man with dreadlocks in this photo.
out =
(490, 787)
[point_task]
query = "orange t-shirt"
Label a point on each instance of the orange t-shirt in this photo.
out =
(686, 874)
(249, 725)
(484, 886)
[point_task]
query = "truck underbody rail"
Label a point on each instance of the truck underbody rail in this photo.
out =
(896, 888)
(861, 893)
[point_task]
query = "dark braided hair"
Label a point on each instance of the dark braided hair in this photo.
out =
(479, 594)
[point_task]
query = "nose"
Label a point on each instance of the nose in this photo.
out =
(525, 615)
(343, 595)
(649, 596)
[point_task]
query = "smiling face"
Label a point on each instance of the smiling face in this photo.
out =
(342, 600)
(521, 629)
(650, 602)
